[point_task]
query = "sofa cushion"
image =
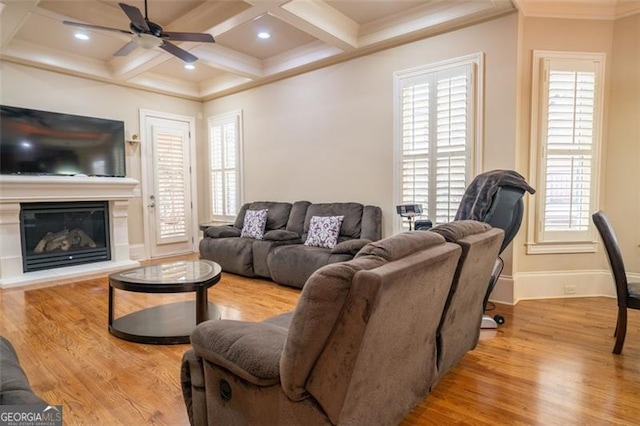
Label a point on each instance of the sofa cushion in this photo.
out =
(281, 235)
(254, 224)
(324, 231)
(352, 212)
(293, 264)
(277, 216)
(224, 231)
(234, 255)
(252, 351)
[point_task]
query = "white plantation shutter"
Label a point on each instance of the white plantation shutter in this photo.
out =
(437, 139)
(171, 194)
(224, 148)
(415, 145)
(569, 135)
(452, 140)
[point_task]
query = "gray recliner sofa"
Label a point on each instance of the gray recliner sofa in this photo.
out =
(335, 359)
(14, 384)
(281, 255)
(368, 339)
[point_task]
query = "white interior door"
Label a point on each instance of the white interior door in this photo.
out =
(168, 199)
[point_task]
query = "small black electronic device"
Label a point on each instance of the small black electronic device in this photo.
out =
(409, 210)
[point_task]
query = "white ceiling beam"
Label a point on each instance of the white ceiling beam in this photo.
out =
(219, 84)
(593, 9)
(165, 84)
(299, 57)
(141, 60)
(226, 59)
(13, 16)
(256, 10)
(321, 21)
(53, 59)
(422, 18)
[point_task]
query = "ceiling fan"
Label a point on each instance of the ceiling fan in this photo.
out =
(148, 34)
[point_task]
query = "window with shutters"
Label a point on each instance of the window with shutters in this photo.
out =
(225, 141)
(566, 133)
(437, 127)
(171, 193)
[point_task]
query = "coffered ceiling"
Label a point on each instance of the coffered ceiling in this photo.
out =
(304, 34)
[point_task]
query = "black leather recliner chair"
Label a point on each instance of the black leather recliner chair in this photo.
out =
(495, 197)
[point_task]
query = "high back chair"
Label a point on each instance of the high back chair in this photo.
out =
(495, 197)
(628, 293)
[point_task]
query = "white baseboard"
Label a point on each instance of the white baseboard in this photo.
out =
(555, 284)
(137, 252)
(503, 291)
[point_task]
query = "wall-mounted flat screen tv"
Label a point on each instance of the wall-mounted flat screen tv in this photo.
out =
(48, 143)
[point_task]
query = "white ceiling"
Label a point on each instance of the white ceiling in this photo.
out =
(305, 34)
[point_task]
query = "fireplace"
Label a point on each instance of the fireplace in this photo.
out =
(55, 235)
(111, 194)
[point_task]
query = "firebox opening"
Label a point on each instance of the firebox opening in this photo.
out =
(55, 235)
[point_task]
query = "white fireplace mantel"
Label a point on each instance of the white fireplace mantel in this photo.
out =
(33, 189)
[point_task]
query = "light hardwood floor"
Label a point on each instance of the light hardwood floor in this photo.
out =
(549, 364)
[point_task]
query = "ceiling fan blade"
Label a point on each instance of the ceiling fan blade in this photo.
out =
(180, 53)
(126, 49)
(95, 27)
(201, 37)
(135, 16)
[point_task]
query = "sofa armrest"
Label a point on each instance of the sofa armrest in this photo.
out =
(224, 231)
(14, 385)
(193, 387)
(281, 235)
(350, 246)
(249, 350)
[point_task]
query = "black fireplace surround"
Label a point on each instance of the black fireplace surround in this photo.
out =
(55, 235)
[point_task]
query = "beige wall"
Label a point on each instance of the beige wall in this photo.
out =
(579, 35)
(39, 89)
(328, 135)
(622, 162)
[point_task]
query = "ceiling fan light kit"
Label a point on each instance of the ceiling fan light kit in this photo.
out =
(149, 35)
(148, 41)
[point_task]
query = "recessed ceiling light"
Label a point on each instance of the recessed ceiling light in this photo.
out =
(81, 36)
(264, 35)
(189, 66)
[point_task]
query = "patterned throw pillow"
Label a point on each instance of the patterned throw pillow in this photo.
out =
(324, 231)
(254, 224)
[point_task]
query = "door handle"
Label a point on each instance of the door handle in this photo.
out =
(151, 205)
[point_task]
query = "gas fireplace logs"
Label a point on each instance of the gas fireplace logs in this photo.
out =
(64, 240)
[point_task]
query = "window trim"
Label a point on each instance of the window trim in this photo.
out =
(477, 133)
(535, 243)
(211, 122)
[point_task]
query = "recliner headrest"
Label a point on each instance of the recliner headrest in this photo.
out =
(401, 245)
(456, 230)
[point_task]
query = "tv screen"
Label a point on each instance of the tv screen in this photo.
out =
(50, 143)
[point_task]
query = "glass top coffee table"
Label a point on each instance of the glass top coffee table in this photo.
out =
(171, 323)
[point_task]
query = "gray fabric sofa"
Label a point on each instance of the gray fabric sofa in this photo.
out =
(14, 385)
(281, 255)
(367, 341)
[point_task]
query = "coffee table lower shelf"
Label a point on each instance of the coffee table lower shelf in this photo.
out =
(168, 324)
